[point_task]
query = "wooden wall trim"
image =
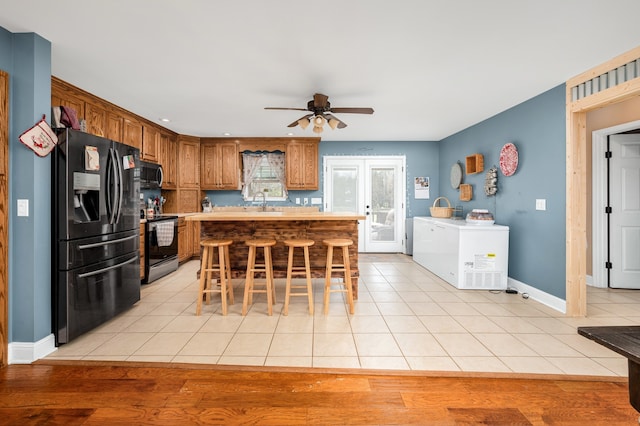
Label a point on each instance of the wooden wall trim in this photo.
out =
(4, 218)
(576, 173)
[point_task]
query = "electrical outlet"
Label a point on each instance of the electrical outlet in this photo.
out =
(316, 200)
(306, 201)
(297, 200)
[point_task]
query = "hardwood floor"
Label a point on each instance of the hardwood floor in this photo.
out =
(97, 393)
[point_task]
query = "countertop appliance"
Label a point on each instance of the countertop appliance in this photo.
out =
(96, 234)
(161, 247)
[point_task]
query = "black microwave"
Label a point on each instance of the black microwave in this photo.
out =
(150, 175)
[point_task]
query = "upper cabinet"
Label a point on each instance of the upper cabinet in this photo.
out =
(96, 118)
(150, 144)
(302, 164)
(219, 164)
(188, 162)
(168, 159)
(132, 134)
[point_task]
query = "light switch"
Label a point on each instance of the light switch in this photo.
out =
(297, 200)
(316, 200)
(541, 204)
(23, 207)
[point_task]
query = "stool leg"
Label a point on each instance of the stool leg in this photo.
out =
(327, 279)
(223, 279)
(287, 293)
(203, 278)
(271, 295)
(307, 268)
(347, 278)
(227, 270)
(248, 285)
(208, 285)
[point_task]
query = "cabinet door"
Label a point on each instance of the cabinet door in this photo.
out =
(96, 118)
(184, 244)
(302, 165)
(115, 127)
(132, 133)
(294, 160)
(310, 165)
(68, 100)
(208, 166)
(188, 164)
(195, 239)
(228, 163)
(150, 136)
(168, 152)
(189, 200)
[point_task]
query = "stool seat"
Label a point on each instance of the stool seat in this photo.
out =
(253, 267)
(208, 267)
(344, 267)
(298, 271)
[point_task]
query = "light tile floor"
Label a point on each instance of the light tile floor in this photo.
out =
(406, 318)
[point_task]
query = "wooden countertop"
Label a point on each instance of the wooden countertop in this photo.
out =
(271, 216)
(623, 339)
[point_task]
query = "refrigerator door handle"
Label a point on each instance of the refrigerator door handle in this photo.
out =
(112, 190)
(100, 271)
(94, 245)
(120, 185)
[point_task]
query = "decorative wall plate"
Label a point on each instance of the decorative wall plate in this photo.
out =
(508, 159)
(456, 175)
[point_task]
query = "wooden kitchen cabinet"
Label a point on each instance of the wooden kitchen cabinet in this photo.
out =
(195, 239)
(168, 160)
(132, 133)
(115, 125)
(185, 245)
(219, 165)
(150, 144)
(142, 252)
(302, 165)
(188, 162)
(96, 119)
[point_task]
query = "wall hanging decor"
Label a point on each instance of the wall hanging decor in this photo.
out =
(508, 159)
(40, 138)
(474, 163)
(466, 192)
(456, 175)
(491, 181)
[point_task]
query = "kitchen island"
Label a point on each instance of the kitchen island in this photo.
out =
(240, 226)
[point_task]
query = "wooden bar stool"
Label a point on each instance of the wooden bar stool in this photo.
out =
(299, 271)
(253, 267)
(208, 267)
(346, 286)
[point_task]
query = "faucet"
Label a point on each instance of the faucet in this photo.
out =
(264, 200)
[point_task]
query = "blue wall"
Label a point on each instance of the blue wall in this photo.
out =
(537, 238)
(27, 59)
(421, 160)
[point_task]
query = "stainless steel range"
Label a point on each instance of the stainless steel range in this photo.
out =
(161, 247)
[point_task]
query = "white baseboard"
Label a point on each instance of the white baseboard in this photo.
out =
(26, 352)
(551, 301)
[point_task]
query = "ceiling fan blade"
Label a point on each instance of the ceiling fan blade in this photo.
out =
(287, 109)
(320, 100)
(295, 123)
(352, 110)
(341, 124)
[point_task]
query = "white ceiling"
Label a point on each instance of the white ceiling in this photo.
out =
(429, 68)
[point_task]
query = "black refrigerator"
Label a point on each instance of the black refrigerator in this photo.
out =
(96, 238)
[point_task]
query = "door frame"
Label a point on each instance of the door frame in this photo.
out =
(599, 199)
(402, 193)
(4, 219)
(576, 171)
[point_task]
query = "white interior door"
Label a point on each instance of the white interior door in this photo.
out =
(374, 187)
(624, 193)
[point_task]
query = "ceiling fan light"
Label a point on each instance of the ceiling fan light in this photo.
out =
(304, 123)
(317, 129)
(333, 123)
(319, 120)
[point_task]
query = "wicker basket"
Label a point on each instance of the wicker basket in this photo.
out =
(437, 211)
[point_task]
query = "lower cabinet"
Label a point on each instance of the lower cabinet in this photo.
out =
(142, 253)
(466, 256)
(185, 246)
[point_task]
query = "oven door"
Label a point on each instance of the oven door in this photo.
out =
(89, 296)
(161, 244)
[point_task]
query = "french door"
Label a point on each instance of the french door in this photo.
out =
(374, 187)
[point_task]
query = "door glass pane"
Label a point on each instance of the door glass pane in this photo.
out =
(345, 189)
(382, 204)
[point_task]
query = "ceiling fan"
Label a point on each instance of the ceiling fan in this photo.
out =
(321, 110)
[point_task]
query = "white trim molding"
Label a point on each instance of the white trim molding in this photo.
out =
(28, 352)
(539, 295)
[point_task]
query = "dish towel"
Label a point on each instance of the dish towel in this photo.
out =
(164, 233)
